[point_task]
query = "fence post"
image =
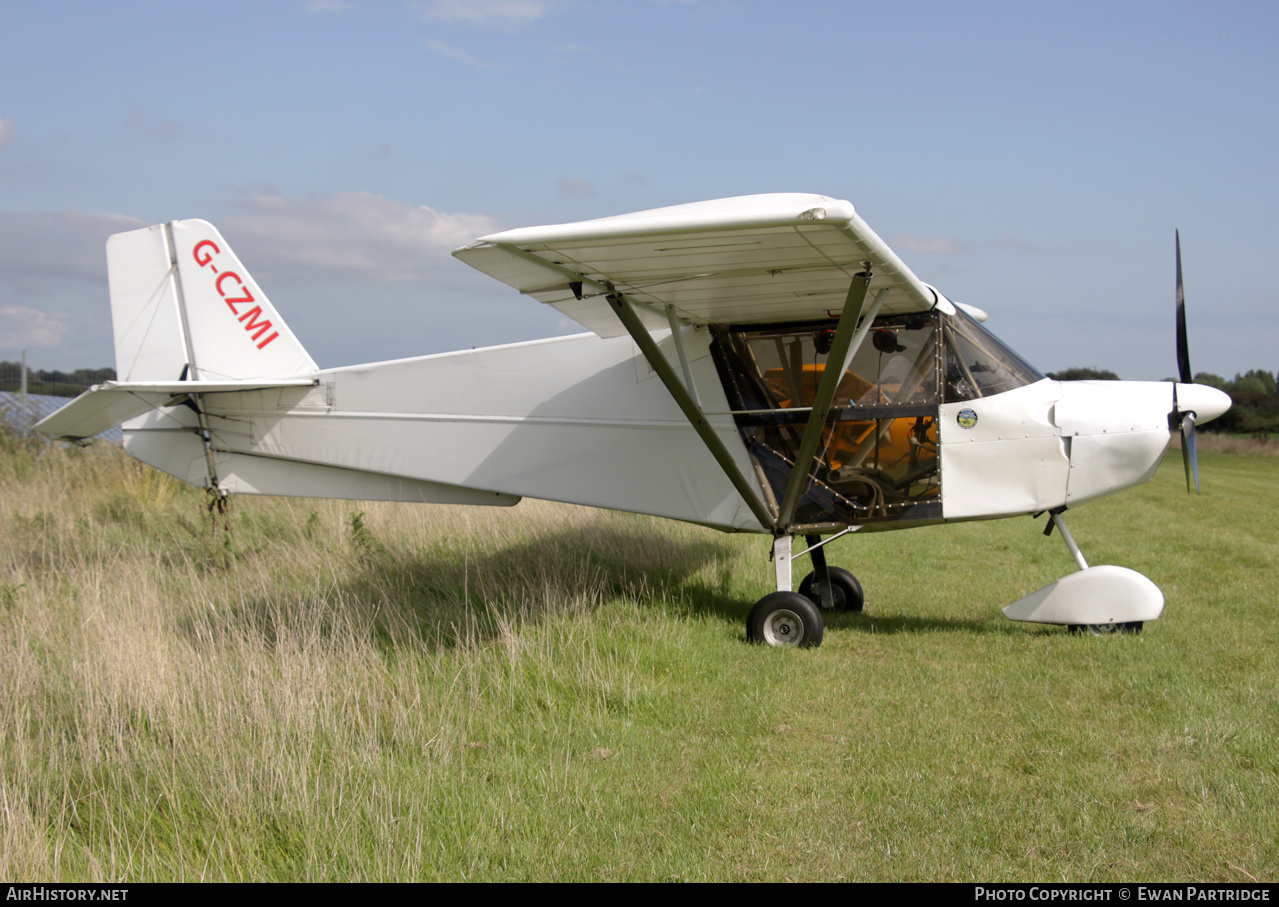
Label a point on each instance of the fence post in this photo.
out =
(25, 418)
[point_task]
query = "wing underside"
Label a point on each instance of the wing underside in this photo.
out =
(756, 259)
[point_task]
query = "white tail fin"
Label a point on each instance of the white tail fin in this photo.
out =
(183, 307)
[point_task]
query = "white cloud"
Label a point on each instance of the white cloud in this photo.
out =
(320, 257)
(141, 120)
(909, 242)
(454, 53)
(334, 7)
(53, 285)
(21, 327)
(6, 132)
(507, 15)
(1007, 240)
(354, 236)
(571, 187)
(64, 244)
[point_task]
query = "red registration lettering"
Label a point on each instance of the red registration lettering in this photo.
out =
(203, 253)
(251, 315)
(232, 300)
(208, 256)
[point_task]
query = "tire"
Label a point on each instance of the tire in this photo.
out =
(785, 619)
(848, 590)
(1132, 626)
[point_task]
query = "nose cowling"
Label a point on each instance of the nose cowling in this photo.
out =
(1206, 402)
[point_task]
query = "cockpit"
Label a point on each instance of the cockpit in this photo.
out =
(878, 458)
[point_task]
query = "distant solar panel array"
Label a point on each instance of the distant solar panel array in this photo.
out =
(23, 412)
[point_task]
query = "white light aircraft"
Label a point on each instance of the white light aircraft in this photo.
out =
(758, 364)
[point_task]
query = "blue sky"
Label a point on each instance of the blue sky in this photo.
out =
(1030, 158)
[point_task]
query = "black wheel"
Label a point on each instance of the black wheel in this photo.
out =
(1132, 626)
(785, 619)
(848, 591)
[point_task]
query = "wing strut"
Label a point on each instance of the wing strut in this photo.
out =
(841, 353)
(626, 314)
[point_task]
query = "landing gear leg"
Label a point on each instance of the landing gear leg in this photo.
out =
(1131, 626)
(1054, 519)
(1096, 600)
(830, 588)
(817, 584)
(785, 618)
(782, 546)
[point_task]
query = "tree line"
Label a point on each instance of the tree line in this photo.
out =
(1256, 406)
(52, 382)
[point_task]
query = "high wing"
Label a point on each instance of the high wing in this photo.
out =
(746, 260)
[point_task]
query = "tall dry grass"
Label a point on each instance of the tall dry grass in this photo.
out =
(296, 678)
(343, 691)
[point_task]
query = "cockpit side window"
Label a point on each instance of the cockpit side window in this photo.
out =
(978, 364)
(877, 459)
(896, 364)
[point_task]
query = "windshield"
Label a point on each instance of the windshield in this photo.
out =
(978, 364)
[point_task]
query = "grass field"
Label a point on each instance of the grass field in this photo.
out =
(341, 691)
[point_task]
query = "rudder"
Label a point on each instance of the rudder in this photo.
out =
(183, 306)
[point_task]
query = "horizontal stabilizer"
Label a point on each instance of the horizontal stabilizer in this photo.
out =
(106, 405)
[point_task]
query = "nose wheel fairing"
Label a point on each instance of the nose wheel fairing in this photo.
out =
(1096, 597)
(1104, 598)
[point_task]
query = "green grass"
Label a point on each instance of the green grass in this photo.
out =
(368, 691)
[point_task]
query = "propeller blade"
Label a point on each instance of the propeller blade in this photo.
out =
(1183, 346)
(1188, 455)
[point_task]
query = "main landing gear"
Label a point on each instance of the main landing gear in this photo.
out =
(1100, 600)
(787, 618)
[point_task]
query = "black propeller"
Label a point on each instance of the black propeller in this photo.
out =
(1185, 420)
(1183, 346)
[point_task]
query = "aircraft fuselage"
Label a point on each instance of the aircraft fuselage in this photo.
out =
(584, 420)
